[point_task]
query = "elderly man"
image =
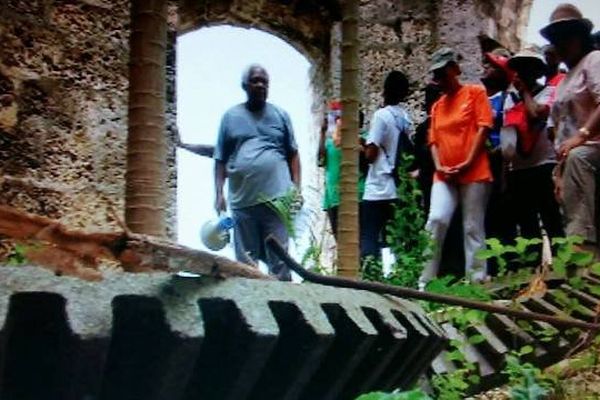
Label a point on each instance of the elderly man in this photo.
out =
(257, 152)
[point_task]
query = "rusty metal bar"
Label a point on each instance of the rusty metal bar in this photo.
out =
(405, 292)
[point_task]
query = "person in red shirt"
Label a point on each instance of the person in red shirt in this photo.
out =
(460, 123)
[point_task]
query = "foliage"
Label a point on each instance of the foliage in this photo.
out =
(529, 390)
(454, 385)
(311, 259)
(568, 256)
(287, 207)
(450, 285)
(18, 255)
(526, 381)
(372, 270)
(520, 253)
(415, 394)
(312, 256)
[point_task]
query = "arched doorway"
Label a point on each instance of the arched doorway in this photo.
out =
(209, 66)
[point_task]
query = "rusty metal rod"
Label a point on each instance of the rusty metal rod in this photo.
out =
(405, 292)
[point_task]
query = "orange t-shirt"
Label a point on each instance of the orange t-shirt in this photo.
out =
(455, 122)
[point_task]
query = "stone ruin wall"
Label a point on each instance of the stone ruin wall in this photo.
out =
(402, 34)
(62, 139)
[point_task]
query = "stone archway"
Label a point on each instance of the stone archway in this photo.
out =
(305, 24)
(210, 61)
(62, 139)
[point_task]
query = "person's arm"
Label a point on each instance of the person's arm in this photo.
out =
(295, 169)
(436, 162)
(203, 150)
(534, 109)
(371, 153)
(199, 149)
(485, 120)
(291, 148)
(220, 176)
(221, 155)
(322, 137)
(478, 146)
(591, 129)
(375, 138)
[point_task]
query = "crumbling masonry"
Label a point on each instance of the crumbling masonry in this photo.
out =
(62, 135)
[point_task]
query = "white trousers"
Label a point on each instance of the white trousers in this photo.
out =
(445, 197)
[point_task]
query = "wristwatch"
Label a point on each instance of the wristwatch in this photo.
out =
(585, 132)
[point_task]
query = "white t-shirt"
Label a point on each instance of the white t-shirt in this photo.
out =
(384, 132)
(543, 150)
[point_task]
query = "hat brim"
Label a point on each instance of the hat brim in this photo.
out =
(439, 65)
(559, 27)
(519, 63)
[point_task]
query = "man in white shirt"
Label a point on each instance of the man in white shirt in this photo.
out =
(387, 126)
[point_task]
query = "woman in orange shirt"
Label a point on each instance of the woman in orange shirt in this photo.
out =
(460, 123)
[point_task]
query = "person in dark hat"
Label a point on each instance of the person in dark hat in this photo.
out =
(554, 74)
(529, 149)
(460, 123)
(576, 116)
(596, 40)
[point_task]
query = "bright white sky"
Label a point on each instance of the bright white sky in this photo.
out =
(209, 66)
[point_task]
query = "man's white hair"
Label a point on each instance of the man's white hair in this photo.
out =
(248, 70)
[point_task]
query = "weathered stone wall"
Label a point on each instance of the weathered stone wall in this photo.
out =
(402, 34)
(63, 134)
(63, 64)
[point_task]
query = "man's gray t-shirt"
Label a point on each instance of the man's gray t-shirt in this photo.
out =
(255, 147)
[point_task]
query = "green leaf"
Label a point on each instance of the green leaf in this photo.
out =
(526, 350)
(455, 356)
(577, 283)
(575, 239)
(495, 245)
(485, 254)
(595, 268)
(521, 245)
(564, 254)
(559, 267)
(582, 259)
(595, 290)
(531, 257)
(476, 339)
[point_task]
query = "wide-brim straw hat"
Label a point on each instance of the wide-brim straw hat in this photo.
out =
(528, 59)
(566, 19)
